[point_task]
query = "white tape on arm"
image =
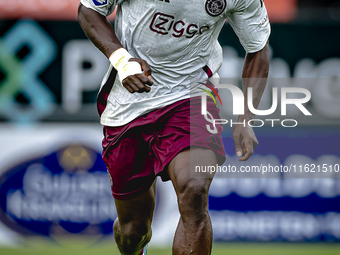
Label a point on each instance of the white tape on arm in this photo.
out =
(120, 60)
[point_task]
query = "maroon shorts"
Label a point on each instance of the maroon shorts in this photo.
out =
(139, 151)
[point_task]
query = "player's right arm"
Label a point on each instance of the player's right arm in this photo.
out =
(101, 34)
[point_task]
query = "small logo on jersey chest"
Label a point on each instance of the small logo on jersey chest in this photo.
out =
(100, 2)
(215, 7)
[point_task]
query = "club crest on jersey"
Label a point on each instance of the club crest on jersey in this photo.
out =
(215, 7)
(100, 2)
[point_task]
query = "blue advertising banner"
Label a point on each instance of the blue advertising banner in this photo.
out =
(68, 191)
(281, 208)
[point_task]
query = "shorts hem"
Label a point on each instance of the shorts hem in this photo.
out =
(133, 194)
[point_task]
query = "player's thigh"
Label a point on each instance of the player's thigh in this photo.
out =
(136, 214)
(130, 167)
(182, 166)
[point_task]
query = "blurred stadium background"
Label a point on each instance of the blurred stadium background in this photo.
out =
(54, 191)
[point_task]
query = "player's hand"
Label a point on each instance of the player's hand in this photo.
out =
(139, 82)
(245, 141)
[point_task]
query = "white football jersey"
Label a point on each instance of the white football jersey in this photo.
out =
(178, 39)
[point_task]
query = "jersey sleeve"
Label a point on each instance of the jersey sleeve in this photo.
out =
(249, 20)
(104, 7)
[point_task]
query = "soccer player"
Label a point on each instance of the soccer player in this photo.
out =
(153, 124)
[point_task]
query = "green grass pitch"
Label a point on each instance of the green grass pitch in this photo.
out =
(71, 246)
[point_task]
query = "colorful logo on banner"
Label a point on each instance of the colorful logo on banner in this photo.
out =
(22, 76)
(65, 192)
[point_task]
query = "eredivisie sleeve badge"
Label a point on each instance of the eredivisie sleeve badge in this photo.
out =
(215, 7)
(100, 2)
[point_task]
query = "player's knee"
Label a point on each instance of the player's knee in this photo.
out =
(135, 229)
(134, 235)
(193, 198)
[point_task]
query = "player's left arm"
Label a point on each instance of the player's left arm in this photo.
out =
(249, 19)
(255, 73)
